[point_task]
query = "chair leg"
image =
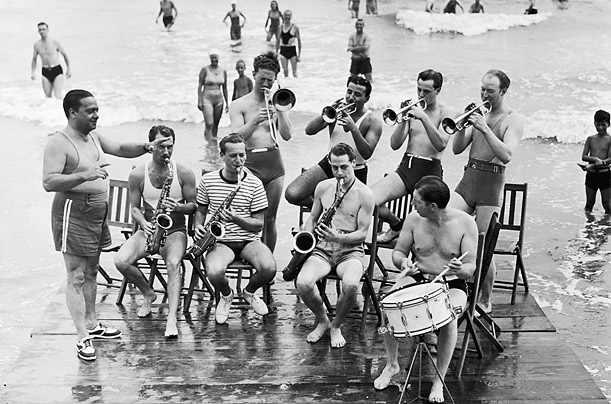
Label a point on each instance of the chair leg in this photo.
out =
(104, 274)
(523, 271)
(322, 289)
(380, 265)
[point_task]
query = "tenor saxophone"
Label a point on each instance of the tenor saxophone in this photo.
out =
(161, 220)
(305, 241)
(214, 229)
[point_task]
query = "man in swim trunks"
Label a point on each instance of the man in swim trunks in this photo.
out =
(340, 244)
(288, 45)
(358, 44)
(450, 8)
(597, 152)
(243, 223)
(74, 168)
(476, 8)
(169, 11)
(436, 235)
(146, 183)
(493, 139)
(426, 142)
(358, 128)
(52, 73)
(235, 31)
(259, 123)
(353, 6)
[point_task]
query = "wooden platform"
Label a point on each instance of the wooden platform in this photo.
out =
(266, 360)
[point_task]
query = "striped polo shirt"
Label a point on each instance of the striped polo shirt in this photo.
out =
(251, 198)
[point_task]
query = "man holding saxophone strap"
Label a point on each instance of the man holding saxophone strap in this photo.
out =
(148, 183)
(74, 168)
(355, 126)
(426, 143)
(243, 222)
(340, 245)
(258, 123)
(493, 138)
(437, 236)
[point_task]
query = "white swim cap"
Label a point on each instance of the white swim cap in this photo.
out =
(214, 51)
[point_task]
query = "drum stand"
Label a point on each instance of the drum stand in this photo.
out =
(418, 349)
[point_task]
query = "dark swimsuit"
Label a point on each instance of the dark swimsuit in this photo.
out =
(51, 73)
(286, 50)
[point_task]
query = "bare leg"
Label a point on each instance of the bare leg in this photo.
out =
(217, 114)
(482, 218)
(208, 111)
(387, 189)
(445, 347)
(300, 191)
(350, 272)
(313, 270)
(261, 258)
(80, 292)
(391, 346)
(294, 65)
(172, 254)
(274, 193)
(605, 195)
(47, 87)
(285, 65)
(590, 199)
(58, 85)
(130, 252)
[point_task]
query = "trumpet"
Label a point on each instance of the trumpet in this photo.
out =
(330, 112)
(451, 126)
(282, 100)
(392, 118)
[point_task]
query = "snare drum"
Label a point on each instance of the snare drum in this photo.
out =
(417, 308)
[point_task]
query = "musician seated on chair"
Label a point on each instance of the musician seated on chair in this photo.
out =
(160, 186)
(340, 245)
(242, 221)
(436, 235)
(355, 126)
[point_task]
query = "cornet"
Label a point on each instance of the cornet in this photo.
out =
(282, 100)
(451, 126)
(392, 118)
(329, 113)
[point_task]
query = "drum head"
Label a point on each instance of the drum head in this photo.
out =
(408, 292)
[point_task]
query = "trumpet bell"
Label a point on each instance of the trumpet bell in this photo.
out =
(451, 126)
(284, 99)
(390, 117)
(329, 114)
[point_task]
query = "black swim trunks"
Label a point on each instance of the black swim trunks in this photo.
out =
(598, 180)
(168, 20)
(455, 283)
(51, 73)
(360, 173)
(360, 66)
(288, 51)
(412, 168)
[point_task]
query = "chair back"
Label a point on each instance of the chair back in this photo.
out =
(401, 207)
(119, 208)
(513, 210)
(490, 239)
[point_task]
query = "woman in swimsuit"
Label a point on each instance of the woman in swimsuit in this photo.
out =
(274, 16)
(211, 93)
(289, 34)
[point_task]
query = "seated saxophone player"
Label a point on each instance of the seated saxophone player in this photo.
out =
(340, 242)
(167, 189)
(355, 126)
(241, 197)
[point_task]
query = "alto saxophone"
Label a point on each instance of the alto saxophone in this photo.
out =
(161, 220)
(214, 229)
(305, 241)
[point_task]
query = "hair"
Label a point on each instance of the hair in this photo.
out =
(240, 61)
(360, 81)
(602, 116)
(42, 23)
(430, 74)
(266, 61)
(163, 130)
(432, 189)
(232, 138)
(342, 149)
(499, 74)
(72, 100)
(360, 20)
(276, 3)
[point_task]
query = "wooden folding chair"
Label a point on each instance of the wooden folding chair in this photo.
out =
(474, 315)
(513, 219)
(119, 215)
(368, 290)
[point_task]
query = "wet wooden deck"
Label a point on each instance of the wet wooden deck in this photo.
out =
(255, 360)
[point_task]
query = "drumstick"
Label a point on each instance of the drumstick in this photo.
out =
(410, 266)
(446, 268)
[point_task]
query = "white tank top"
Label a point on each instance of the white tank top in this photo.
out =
(339, 136)
(150, 194)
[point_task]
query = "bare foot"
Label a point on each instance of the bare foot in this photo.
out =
(145, 309)
(318, 332)
(384, 379)
(337, 339)
(436, 395)
(170, 329)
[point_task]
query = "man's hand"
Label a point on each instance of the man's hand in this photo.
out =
(170, 205)
(228, 215)
(345, 120)
(148, 229)
(327, 233)
(408, 268)
(95, 173)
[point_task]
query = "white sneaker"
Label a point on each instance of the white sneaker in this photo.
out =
(221, 313)
(255, 301)
(85, 349)
(388, 236)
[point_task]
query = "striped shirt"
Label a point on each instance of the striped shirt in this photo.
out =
(251, 198)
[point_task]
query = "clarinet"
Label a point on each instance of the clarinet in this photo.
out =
(214, 229)
(161, 220)
(305, 241)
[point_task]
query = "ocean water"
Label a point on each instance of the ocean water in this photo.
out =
(140, 73)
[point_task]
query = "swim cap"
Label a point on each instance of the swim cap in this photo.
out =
(214, 51)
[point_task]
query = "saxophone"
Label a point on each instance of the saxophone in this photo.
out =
(305, 241)
(161, 220)
(214, 229)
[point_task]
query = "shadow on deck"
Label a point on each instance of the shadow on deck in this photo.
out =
(252, 359)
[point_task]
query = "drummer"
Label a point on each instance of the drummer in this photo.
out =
(436, 235)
